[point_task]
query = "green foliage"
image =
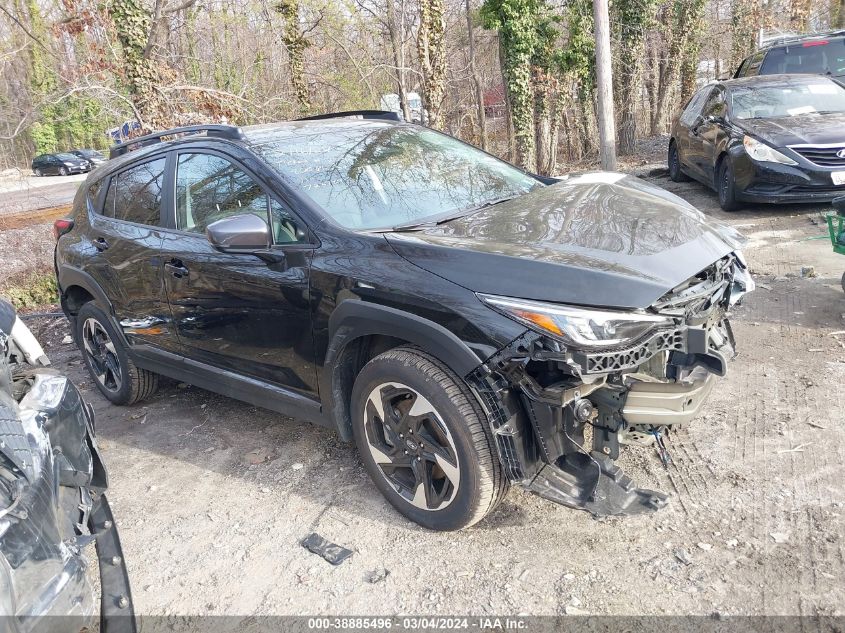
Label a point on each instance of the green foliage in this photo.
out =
(33, 291)
(578, 57)
(517, 25)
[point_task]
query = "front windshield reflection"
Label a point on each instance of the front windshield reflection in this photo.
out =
(380, 176)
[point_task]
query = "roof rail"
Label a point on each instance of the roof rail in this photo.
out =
(222, 131)
(385, 115)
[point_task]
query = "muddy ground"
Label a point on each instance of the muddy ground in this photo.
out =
(213, 496)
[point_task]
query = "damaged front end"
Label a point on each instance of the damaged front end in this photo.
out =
(580, 383)
(52, 501)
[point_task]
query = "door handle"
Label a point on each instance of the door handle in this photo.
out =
(101, 244)
(176, 268)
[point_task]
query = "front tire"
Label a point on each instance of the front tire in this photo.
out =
(676, 173)
(63, 171)
(114, 373)
(726, 186)
(424, 440)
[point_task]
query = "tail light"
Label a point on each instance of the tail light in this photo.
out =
(62, 226)
(815, 43)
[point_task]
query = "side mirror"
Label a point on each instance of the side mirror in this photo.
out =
(239, 233)
(839, 205)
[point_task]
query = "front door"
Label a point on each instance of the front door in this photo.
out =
(236, 311)
(125, 238)
(710, 131)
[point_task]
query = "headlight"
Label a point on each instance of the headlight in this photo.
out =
(578, 327)
(764, 153)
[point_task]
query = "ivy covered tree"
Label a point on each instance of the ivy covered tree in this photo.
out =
(432, 53)
(144, 77)
(631, 19)
(296, 43)
(515, 21)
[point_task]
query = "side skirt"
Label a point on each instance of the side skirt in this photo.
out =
(230, 384)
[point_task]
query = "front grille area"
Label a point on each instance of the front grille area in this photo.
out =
(821, 155)
(605, 362)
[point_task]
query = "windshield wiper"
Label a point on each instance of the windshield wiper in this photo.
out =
(414, 226)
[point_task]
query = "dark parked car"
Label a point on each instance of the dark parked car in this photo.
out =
(820, 53)
(91, 155)
(778, 138)
(52, 501)
(60, 165)
(462, 320)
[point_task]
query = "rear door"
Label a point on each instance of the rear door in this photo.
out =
(125, 238)
(236, 311)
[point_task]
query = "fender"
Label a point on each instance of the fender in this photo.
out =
(70, 276)
(354, 318)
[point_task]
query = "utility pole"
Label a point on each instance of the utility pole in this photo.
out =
(607, 126)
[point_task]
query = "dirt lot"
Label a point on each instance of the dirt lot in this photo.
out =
(213, 496)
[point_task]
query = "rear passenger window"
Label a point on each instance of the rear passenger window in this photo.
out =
(134, 195)
(93, 190)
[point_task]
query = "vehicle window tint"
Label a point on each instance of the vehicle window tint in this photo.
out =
(715, 105)
(382, 175)
(816, 57)
(134, 195)
(754, 64)
(108, 205)
(743, 68)
(93, 190)
(210, 188)
(693, 109)
(286, 229)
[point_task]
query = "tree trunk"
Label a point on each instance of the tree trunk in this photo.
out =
(144, 75)
(838, 20)
(744, 17)
(432, 52)
(296, 44)
(799, 14)
(479, 93)
(396, 33)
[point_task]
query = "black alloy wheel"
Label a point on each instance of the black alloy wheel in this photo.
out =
(411, 446)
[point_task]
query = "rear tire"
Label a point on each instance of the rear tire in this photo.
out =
(726, 186)
(115, 375)
(425, 441)
(676, 173)
(38, 172)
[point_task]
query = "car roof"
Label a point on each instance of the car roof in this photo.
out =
(800, 39)
(759, 81)
(252, 135)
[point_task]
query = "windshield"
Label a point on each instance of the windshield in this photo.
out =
(67, 157)
(380, 176)
(768, 102)
(89, 153)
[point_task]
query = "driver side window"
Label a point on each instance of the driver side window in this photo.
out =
(211, 188)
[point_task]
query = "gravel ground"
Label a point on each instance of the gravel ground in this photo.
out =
(213, 496)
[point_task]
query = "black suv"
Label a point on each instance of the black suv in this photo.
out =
(464, 321)
(818, 54)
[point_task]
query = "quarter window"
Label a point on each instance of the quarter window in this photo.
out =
(134, 195)
(211, 188)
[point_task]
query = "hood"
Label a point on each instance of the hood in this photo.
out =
(809, 129)
(597, 239)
